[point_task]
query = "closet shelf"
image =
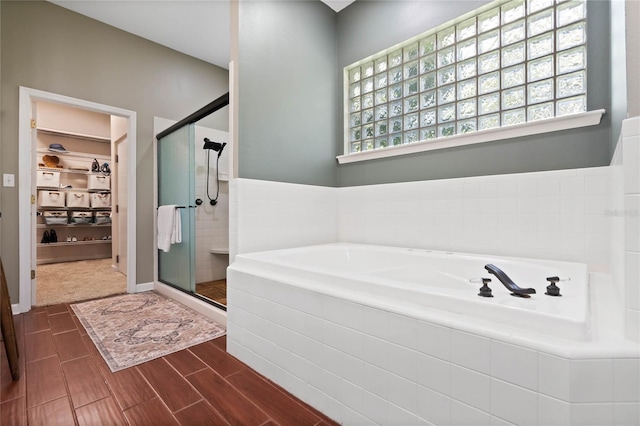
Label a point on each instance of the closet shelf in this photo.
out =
(78, 172)
(51, 188)
(74, 243)
(68, 134)
(72, 154)
(74, 225)
(73, 209)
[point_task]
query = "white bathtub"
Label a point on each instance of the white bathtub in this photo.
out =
(401, 280)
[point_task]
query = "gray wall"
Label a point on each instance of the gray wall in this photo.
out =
(50, 48)
(367, 27)
(289, 92)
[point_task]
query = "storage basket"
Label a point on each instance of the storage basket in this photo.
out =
(78, 199)
(51, 198)
(81, 217)
(47, 179)
(98, 183)
(102, 217)
(100, 199)
(55, 218)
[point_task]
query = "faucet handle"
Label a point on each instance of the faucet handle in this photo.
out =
(485, 291)
(553, 289)
(558, 279)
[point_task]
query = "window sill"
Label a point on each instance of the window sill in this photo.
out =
(572, 121)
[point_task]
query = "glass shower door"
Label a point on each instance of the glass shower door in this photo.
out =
(176, 185)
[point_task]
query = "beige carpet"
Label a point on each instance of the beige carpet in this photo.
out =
(75, 281)
(135, 328)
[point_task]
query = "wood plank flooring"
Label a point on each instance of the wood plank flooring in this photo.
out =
(65, 381)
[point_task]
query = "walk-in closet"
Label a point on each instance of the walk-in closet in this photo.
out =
(80, 203)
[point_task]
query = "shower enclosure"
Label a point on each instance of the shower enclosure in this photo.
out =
(177, 149)
(176, 185)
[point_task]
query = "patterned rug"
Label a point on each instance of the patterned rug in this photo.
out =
(135, 328)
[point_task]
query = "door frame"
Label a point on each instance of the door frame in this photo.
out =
(26, 218)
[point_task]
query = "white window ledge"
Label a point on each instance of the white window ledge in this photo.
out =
(572, 121)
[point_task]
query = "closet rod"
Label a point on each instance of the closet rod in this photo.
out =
(219, 103)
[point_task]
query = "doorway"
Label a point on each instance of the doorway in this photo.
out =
(32, 222)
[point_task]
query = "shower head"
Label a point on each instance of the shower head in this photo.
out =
(216, 146)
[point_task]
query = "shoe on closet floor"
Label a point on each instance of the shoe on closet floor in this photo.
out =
(45, 238)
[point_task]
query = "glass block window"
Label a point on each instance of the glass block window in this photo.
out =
(518, 61)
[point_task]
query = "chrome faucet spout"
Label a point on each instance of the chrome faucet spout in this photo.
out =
(508, 282)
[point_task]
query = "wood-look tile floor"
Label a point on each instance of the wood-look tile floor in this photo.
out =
(65, 381)
(214, 290)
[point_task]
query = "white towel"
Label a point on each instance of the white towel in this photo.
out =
(169, 226)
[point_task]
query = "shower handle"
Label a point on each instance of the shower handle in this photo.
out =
(198, 202)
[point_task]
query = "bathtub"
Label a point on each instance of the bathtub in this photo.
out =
(383, 335)
(437, 283)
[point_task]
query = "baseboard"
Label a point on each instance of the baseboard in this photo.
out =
(197, 305)
(15, 309)
(144, 287)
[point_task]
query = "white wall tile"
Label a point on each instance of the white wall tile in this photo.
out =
(572, 185)
(403, 330)
(626, 380)
(376, 351)
(403, 393)
(434, 340)
(464, 415)
(375, 322)
(514, 364)
(553, 412)
(632, 222)
(377, 408)
(631, 155)
(632, 280)
(434, 373)
(376, 380)
(471, 351)
(591, 380)
(513, 403)
(403, 361)
(497, 421)
(434, 407)
(626, 414)
(554, 376)
(471, 387)
(591, 414)
(632, 324)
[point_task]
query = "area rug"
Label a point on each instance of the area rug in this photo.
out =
(135, 328)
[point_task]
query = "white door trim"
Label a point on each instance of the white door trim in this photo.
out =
(26, 221)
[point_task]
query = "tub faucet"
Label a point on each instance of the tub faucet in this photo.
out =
(508, 283)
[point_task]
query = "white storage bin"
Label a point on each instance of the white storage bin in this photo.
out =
(100, 199)
(102, 217)
(51, 198)
(47, 179)
(98, 183)
(78, 199)
(81, 217)
(55, 218)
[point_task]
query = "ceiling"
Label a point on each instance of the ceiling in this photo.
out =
(199, 28)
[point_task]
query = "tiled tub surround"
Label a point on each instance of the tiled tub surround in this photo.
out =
(630, 214)
(363, 357)
(361, 364)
